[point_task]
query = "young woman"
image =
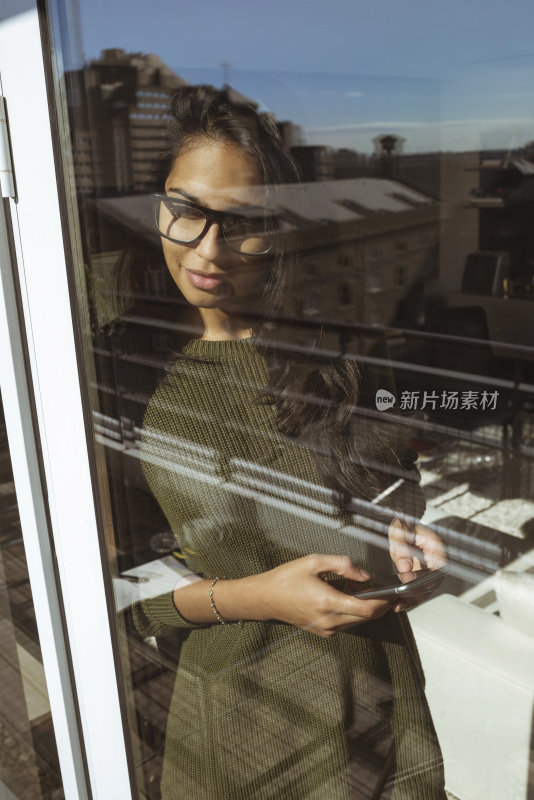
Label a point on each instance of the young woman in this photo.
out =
(287, 686)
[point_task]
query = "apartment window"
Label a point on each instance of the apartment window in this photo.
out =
(219, 395)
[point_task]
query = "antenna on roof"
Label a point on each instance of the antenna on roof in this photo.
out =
(226, 66)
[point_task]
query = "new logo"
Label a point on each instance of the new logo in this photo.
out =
(384, 399)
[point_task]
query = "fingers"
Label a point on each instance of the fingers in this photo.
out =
(341, 616)
(415, 548)
(368, 609)
(418, 563)
(431, 545)
(336, 610)
(339, 565)
(401, 546)
(297, 594)
(348, 610)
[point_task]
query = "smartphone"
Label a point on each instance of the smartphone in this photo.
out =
(426, 580)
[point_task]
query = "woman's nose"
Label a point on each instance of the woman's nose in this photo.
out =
(211, 243)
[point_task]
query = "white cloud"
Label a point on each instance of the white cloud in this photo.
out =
(354, 94)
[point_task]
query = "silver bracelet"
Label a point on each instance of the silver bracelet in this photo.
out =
(214, 607)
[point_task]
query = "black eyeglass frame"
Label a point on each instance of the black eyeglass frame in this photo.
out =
(211, 217)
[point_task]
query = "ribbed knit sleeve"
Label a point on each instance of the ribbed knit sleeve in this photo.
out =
(158, 616)
(169, 450)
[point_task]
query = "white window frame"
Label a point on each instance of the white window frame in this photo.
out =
(54, 369)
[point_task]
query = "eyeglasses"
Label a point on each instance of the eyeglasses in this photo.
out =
(185, 222)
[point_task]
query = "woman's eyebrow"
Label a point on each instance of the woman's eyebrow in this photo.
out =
(189, 196)
(240, 205)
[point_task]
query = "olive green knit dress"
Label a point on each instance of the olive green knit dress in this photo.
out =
(264, 710)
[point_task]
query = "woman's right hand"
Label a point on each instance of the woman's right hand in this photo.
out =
(297, 593)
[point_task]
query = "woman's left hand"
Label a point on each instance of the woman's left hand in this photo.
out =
(413, 548)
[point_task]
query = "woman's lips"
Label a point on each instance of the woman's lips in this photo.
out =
(204, 280)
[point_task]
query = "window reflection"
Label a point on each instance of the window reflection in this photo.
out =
(417, 267)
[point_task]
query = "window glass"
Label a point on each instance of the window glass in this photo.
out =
(29, 766)
(308, 271)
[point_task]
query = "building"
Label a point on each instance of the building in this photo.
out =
(314, 161)
(118, 110)
(290, 133)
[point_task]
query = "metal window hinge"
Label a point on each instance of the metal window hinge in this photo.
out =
(7, 183)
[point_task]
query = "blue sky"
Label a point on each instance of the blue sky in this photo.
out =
(454, 75)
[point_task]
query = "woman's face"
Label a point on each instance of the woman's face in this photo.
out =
(221, 177)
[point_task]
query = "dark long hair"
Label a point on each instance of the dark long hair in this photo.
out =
(316, 397)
